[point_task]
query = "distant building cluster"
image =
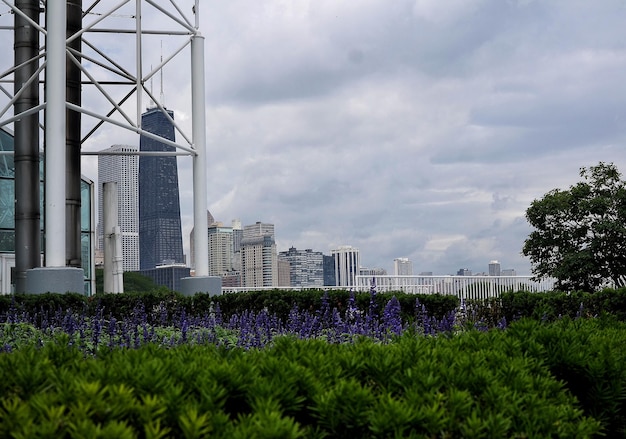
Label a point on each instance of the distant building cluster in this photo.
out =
(243, 256)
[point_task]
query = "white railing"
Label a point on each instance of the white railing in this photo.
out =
(465, 287)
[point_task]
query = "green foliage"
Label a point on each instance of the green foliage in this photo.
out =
(133, 282)
(475, 384)
(281, 302)
(588, 356)
(580, 233)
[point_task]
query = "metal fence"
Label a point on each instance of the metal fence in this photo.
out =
(465, 287)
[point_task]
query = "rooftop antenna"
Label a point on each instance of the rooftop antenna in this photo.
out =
(151, 86)
(162, 97)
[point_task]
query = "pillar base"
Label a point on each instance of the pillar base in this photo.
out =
(55, 280)
(212, 285)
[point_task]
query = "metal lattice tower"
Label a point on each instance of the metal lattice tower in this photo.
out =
(54, 85)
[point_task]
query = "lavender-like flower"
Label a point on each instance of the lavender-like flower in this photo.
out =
(502, 324)
(392, 321)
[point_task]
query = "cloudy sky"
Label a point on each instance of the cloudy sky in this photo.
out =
(405, 128)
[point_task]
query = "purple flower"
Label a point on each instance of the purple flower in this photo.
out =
(392, 321)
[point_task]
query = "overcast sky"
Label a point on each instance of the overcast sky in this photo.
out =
(405, 128)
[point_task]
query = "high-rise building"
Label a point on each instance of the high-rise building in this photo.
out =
(284, 270)
(509, 272)
(464, 272)
(259, 261)
(347, 264)
(329, 271)
(306, 267)
(220, 249)
(121, 169)
(494, 268)
(237, 235)
(402, 267)
(160, 235)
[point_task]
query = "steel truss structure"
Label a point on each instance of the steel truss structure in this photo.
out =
(75, 44)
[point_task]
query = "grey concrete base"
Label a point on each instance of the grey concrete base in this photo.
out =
(212, 285)
(55, 280)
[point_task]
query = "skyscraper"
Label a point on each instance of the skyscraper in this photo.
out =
(259, 261)
(347, 264)
(220, 249)
(123, 170)
(306, 267)
(160, 235)
(402, 267)
(494, 268)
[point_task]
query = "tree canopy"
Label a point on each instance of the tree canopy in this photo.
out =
(580, 233)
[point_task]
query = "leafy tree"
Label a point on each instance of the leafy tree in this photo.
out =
(580, 233)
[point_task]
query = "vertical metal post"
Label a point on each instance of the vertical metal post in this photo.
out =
(138, 40)
(73, 139)
(201, 239)
(26, 158)
(110, 210)
(55, 135)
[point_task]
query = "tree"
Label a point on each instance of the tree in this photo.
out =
(580, 234)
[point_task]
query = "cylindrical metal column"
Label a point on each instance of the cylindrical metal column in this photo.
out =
(110, 210)
(198, 121)
(55, 135)
(73, 138)
(26, 158)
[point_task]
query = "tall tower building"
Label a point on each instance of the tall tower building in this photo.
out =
(402, 267)
(306, 267)
(160, 235)
(123, 170)
(347, 264)
(220, 249)
(237, 235)
(259, 261)
(494, 268)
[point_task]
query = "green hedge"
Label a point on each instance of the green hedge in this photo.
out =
(495, 384)
(554, 304)
(280, 302)
(510, 305)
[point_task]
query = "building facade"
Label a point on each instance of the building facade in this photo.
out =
(259, 260)
(160, 233)
(494, 268)
(347, 260)
(122, 169)
(329, 271)
(402, 267)
(220, 249)
(377, 271)
(306, 267)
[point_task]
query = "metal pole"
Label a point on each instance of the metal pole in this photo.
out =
(198, 121)
(110, 210)
(55, 135)
(26, 158)
(73, 138)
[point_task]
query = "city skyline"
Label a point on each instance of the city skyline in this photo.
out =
(422, 129)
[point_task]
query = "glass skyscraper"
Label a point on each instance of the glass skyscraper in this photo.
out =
(160, 234)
